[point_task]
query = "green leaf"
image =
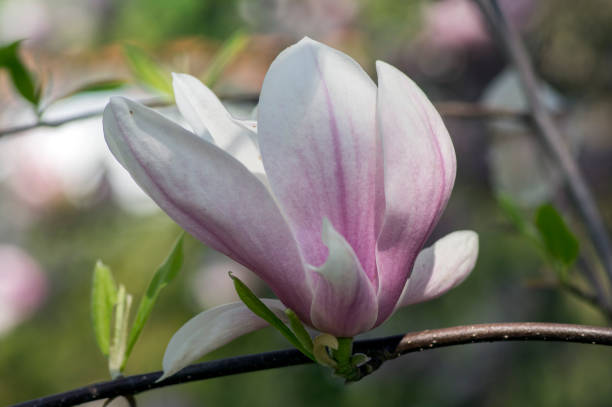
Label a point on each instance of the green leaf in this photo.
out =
(22, 79)
(148, 71)
(103, 299)
(298, 329)
(261, 310)
(513, 212)
(116, 358)
(97, 86)
(559, 242)
(226, 54)
(164, 275)
(517, 218)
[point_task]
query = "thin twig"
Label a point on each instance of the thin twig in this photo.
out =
(454, 109)
(477, 111)
(575, 290)
(247, 98)
(70, 119)
(380, 350)
(592, 299)
(549, 131)
(594, 279)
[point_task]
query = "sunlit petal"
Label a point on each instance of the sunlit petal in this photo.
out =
(419, 172)
(441, 267)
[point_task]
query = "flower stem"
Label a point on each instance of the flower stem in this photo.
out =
(344, 351)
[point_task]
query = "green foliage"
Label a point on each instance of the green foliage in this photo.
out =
(98, 86)
(22, 79)
(154, 21)
(164, 275)
(117, 345)
(299, 330)
(560, 243)
(260, 309)
(116, 356)
(513, 212)
(103, 299)
(228, 52)
(147, 71)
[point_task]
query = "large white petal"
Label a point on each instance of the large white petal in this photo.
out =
(210, 120)
(210, 330)
(441, 267)
(318, 139)
(419, 172)
(210, 194)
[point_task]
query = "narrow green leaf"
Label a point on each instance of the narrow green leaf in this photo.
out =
(298, 329)
(103, 299)
(518, 219)
(559, 241)
(22, 79)
(116, 356)
(513, 212)
(226, 54)
(97, 86)
(148, 71)
(166, 272)
(261, 310)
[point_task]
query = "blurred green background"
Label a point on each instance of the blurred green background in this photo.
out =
(64, 204)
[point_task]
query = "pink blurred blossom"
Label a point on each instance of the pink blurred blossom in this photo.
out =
(23, 286)
(459, 24)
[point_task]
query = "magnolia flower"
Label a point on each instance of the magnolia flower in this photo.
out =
(356, 177)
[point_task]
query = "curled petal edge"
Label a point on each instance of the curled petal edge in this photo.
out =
(343, 299)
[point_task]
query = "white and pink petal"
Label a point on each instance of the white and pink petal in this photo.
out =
(441, 267)
(419, 172)
(318, 139)
(209, 119)
(210, 194)
(211, 329)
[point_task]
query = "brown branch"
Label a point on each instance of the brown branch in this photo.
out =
(511, 331)
(454, 109)
(380, 350)
(95, 113)
(551, 135)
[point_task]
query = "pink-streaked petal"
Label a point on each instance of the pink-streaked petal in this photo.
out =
(318, 139)
(210, 330)
(210, 194)
(210, 120)
(419, 173)
(441, 267)
(344, 300)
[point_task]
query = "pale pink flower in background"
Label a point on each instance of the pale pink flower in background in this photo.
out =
(454, 24)
(459, 24)
(23, 287)
(356, 177)
(67, 164)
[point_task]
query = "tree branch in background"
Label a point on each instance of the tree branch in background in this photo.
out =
(461, 110)
(379, 350)
(551, 136)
